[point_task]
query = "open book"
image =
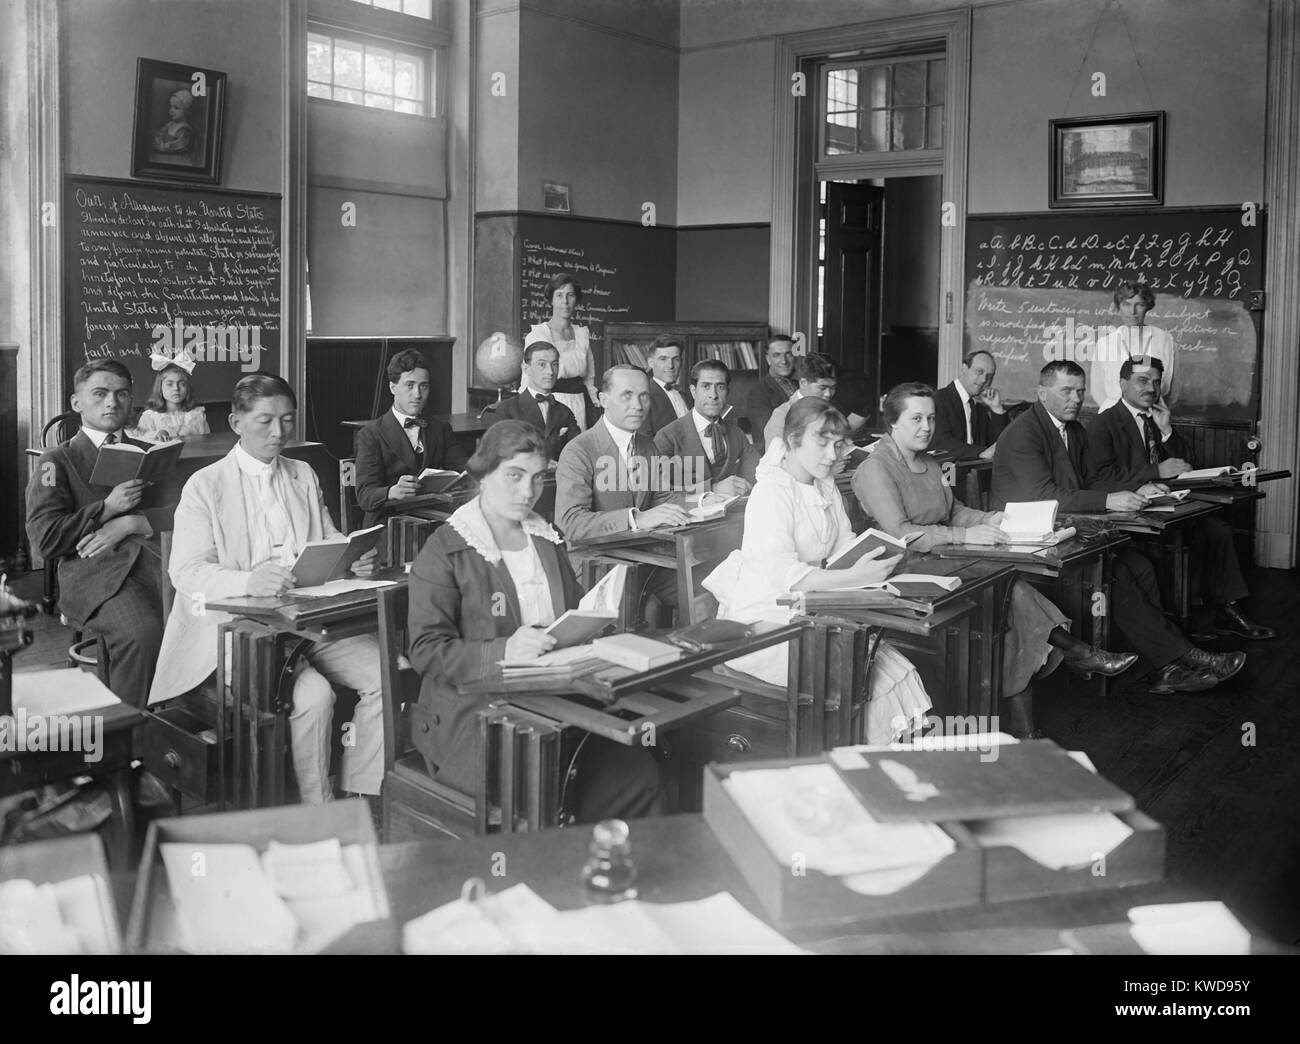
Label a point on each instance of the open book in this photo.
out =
(715, 508)
(121, 462)
(868, 542)
(1209, 473)
(597, 610)
(438, 480)
(321, 561)
(1032, 522)
(906, 585)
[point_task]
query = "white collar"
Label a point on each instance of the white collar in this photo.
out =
(1060, 424)
(962, 393)
(97, 437)
(469, 521)
(702, 422)
(251, 466)
(622, 439)
(401, 417)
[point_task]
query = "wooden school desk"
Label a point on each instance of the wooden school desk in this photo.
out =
(265, 639)
(678, 859)
(23, 770)
(677, 548)
(962, 637)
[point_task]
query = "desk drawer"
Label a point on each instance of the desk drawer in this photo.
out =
(736, 734)
(180, 749)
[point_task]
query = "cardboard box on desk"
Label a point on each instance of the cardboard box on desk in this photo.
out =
(65, 859)
(153, 925)
(814, 898)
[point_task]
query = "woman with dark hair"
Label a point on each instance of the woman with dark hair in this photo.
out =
(576, 385)
(794, 521)
(483, 589)
(240, 524)
(901, 487)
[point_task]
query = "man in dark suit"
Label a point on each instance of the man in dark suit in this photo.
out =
(705, 451)
(1042, 455)
(1133, 445)
(394, 449)
(775, 389)
(667, 400)
(535, 404)
(610, 480)
(968, 413)
(109, 574)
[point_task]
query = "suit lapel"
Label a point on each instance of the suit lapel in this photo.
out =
(300, 498)
(398, 444)
(233, 515)
(546, 551)
(82, 453)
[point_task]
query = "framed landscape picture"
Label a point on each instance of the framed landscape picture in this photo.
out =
(178, 114)
(1107, 161)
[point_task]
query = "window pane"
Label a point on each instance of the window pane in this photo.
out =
(418, 8)
(318, 90)
(407, 79)
(379, 70)
(938, 80)
(347, 63)
(840, 140)
(909, 129)
(344, 95)
(909, 84)
(379, 101)
(389, 5)
(934, 127)
(412, 107)
(319, 58)
(875, 131)
(842, 88)
(875, 81)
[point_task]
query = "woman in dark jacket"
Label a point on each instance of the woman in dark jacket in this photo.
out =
(483, 589)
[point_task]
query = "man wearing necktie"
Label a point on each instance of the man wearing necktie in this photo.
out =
(535, 404)
(968, 413)
(109, 569)
(392, 450)
(706, 452)
(667, 402)
(1132, 338)
(1133, 446)
(1045, 455)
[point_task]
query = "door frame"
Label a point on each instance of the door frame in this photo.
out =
(791, 299)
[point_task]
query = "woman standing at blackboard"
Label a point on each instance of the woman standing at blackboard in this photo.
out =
(576, 387)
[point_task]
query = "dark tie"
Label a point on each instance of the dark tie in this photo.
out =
(714, 435)
(544, 399)
(415, 422)
(1152, 436)
(110, 439)
(544, 406)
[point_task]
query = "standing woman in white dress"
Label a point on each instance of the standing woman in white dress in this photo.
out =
(794, 521)
(576, 386)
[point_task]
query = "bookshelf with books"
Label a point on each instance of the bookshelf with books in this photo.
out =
(739, 345)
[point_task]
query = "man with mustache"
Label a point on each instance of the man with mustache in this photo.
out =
(1043, 455)
(1133, 445)
(109, 571)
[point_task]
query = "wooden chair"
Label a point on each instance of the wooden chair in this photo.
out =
(350, 513)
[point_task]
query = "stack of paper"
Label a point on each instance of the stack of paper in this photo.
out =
(65, 918)
(1030, 522)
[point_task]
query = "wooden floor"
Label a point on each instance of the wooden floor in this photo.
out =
(1220, 770)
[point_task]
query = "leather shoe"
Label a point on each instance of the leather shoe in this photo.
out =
(1176, 678)
(1222, 665)
(1231, 620)
(1101, 662)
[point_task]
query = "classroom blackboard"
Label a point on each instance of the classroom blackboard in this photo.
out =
(627, 272)
(1042, 284)
(147, 268)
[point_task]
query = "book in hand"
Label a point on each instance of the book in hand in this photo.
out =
(122, 462)
(439, 480)
(321, 561)
(635, 651)
(598, 609)
(868, 542)
(1032, 522)
(715, 508)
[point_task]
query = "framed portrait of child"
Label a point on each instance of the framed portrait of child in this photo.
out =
(178, 115)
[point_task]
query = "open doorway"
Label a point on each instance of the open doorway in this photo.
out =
(878, 283)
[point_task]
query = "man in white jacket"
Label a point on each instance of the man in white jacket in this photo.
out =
(239, 526)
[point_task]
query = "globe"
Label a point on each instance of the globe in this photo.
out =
(499, 359)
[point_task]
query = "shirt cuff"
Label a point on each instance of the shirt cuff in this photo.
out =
(631, 519)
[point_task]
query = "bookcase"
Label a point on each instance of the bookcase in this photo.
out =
(739, 345)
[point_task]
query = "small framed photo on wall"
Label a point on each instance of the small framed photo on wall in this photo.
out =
(178, 119)
(555, 197)
(1108, 161)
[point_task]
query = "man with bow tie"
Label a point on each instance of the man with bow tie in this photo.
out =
(393, 450)
(536, 405)
(1132, 445)
(109, 570)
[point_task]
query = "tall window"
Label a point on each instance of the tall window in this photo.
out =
(360, 70)
(415, 8)
(893, 106)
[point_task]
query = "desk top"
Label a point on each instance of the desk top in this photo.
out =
(678, 859)
(207, 447)
(315, 617)
(461, 423)
(665, 534)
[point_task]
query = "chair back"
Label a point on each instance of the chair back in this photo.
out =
(60, 429)
(400, 685)
(350, 513)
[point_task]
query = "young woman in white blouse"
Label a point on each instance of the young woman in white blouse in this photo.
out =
(794, 521)
(576, 384)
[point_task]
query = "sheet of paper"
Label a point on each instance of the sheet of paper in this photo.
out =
(338, 587)
(307, 871)
(809, 811)
(224, 902)
(1057, 842)
(501, 922)
(607, 595)
(1205, 473)
(323, 917)
(558, 658)
(68, 691)
(1188, 928)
